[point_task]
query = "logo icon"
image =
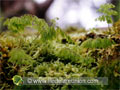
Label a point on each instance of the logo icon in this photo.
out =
(17, 80)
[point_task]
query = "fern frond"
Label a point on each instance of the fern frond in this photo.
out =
(18, 24)
(19, 57)
(107, 10)
(97, 43)
(87, 44)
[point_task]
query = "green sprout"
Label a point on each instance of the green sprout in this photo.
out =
(108, 12)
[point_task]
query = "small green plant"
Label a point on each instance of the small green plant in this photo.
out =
(93, 30)
(19, 24)
(19, 57)
(108, 12)
(97, 43)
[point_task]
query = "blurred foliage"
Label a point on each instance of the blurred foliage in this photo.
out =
(107, 11)
(116, 27)
(50, 52)
(1, 23)
(117, 8)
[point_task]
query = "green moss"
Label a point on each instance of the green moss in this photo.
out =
(45, 55)
(97, 43)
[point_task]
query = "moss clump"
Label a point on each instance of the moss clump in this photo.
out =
(45, 54)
